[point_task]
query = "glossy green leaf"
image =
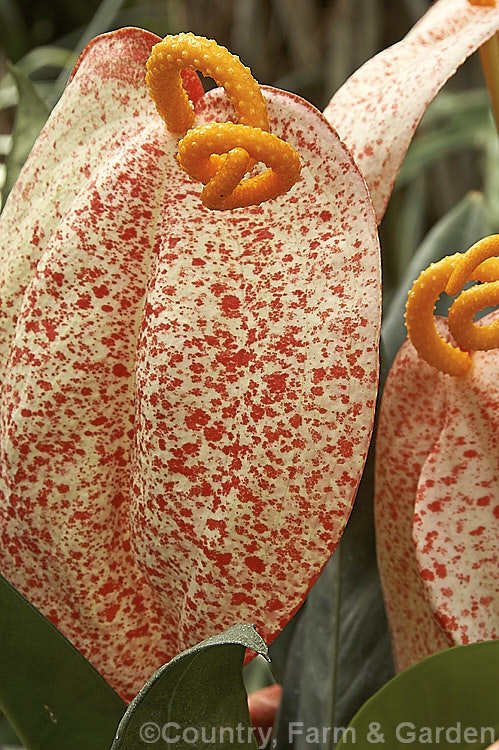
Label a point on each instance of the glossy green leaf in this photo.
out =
(340, 653)
(53, 698)
(448, 700)
(31, 115)
(280, 649)
(198, 695)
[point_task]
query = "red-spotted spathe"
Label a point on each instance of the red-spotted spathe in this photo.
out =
(437, 466)
(437, 503)
(376, 112)
(187, 395)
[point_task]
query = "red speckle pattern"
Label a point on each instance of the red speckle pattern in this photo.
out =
(187, 396)
(437, 502)
(378, 109)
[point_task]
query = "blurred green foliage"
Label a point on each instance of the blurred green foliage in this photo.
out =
(307, 46)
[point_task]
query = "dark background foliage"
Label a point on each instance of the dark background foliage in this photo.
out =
(313, 45)
(306, 46)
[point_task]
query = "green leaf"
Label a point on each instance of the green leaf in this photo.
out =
(258, 674)
(14, 36)
(452, 123)
(340, 653)
(455, 232)
(102, 21)
(46, 57)
(491, 179)
(281, 646)
(455, 690)
(5, 144)
(450, 106)
(31, 115)
(7, 734)
(9, 95)
(53, 698)
(403, 228)
(200, 692)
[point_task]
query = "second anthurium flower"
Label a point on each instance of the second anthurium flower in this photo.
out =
(437, 473)
(437, 464)
(187, 394)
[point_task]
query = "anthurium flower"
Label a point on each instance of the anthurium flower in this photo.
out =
(437, 466)
(376, 112)
(187, 393)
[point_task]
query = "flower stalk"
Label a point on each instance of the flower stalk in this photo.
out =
(489, 57)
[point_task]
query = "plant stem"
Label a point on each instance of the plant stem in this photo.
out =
(489, 57)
